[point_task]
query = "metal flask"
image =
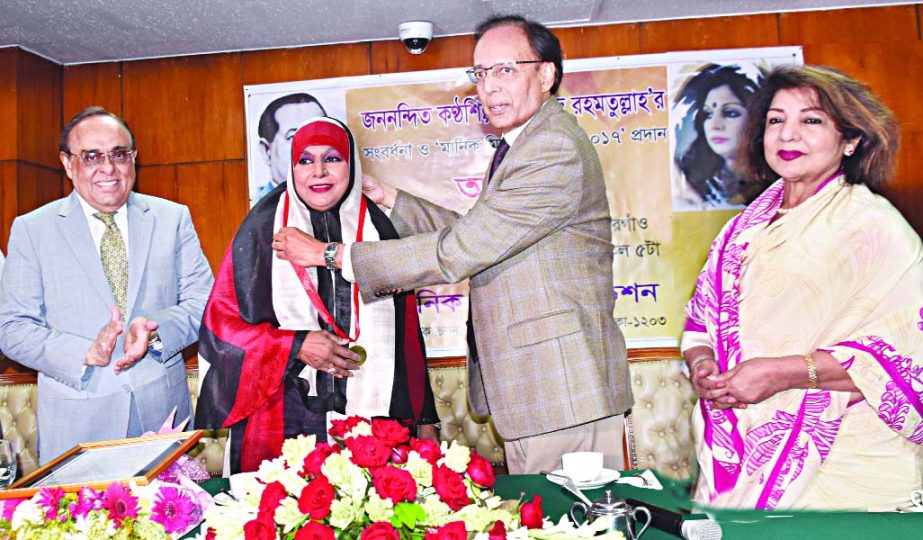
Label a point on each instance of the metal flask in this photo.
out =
(616, 513)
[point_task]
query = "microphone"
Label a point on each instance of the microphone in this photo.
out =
(677, 525)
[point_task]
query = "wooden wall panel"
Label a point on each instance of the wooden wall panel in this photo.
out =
(283, 65)
(39, 110)
(906, 190)
(92, 84)
(596, 41)
(9, 132)
(186, 109)
(37, 186)
(713, 33)
(894, 23)
(891, 69)
(7, 200)
(216, 194)
(157, 180)
(446, 52)
(885, 67)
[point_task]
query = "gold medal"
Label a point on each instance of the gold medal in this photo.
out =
(360, 350)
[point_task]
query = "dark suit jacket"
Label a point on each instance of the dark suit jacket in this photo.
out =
(537, 247)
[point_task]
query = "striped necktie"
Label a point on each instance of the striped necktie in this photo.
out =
(115, 259)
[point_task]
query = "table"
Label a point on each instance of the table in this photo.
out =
(735, 524)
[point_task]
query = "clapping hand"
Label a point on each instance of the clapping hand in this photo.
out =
(139, 334)
(100, 352)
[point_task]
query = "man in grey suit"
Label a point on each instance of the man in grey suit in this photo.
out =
(549, 362)
(77, 269)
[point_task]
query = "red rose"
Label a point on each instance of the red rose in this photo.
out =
(261, 528)
(368, 451)
(313, 530)
(530, 514)
(380, 531)
(428, 449)
(497, 532)
(395, 484)
(314, 460)
(391, 432)
(339, 428)
(399, 454)
(450, 531)
(480, 471)
(450, 487)
(316, 497)
(272, 496)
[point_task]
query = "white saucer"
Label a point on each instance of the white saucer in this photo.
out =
(604, 477)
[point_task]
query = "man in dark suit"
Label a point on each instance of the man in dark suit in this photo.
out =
(78, 269)
(549, 362)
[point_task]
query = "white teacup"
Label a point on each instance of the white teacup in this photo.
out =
(582, 466)
(916, 497)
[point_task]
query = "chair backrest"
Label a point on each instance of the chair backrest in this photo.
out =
(659, 429)
(18, 403)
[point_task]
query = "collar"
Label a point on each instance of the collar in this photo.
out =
(88, 210)
(514, 133)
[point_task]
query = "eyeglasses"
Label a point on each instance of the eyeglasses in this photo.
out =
(93, 159)
(501, 70)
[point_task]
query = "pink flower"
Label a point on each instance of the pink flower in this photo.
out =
(481, 471)
(174, 509)
(120, 503)
(50, 499)
(400, 453)
(9, 506)
(88, 501)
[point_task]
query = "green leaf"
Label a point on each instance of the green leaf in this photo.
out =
(407, 515)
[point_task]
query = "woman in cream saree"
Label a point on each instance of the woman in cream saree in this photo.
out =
(838, 278)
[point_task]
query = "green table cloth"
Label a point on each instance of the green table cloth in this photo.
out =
(735, 524)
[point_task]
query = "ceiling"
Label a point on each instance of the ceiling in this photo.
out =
(81, 31)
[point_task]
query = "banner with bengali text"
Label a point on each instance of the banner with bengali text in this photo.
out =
(425, 133)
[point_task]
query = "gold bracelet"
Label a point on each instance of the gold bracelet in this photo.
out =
(700, 358)
(812, 372)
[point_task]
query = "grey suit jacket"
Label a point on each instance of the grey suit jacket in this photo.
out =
(54, 299)
(537, 247)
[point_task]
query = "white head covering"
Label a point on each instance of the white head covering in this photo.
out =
(366, 394)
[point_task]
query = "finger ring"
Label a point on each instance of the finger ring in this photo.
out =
(331, 370)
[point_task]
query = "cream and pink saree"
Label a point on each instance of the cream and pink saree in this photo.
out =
(843, 273)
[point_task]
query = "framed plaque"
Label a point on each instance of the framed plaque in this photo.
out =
(99, 464)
